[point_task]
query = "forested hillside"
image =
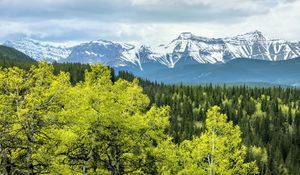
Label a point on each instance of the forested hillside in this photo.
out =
(88, 121)
(269, 118)
(97, 126)
(11, 57)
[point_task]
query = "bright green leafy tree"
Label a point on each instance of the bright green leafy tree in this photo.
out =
(109, 131)
(28, 102)
(219, 149)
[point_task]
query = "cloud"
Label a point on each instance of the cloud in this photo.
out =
(281, 21)
(145, 21)
(144, 2)
(133, 10)
(245, 5)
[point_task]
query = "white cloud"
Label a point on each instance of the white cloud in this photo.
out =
(8, 28)
(144, 2)
(243, 5)
(276, 19)
(281, 21)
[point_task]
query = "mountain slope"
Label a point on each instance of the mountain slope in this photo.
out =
(11, 57)
(255, 45)
(190, 47)
(39, 50)
(217, 50)
(110, 53)
(9, 53)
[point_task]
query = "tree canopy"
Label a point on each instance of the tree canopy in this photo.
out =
(48, 125)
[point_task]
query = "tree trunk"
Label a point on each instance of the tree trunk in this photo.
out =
(84, 168)
(212, 153)
(8, 165)
(116, 164)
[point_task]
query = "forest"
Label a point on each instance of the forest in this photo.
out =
(82, 119)
(269, 118)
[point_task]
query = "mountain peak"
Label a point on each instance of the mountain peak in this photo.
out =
(185, 35)
(100, 42)
(253, 36)
(253, 33)
(256, 32)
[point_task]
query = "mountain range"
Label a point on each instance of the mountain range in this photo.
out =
(185, 49)
(250, 57)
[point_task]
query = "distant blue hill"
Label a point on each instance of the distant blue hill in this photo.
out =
(238, 70)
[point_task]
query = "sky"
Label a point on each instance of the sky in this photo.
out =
(146, 21)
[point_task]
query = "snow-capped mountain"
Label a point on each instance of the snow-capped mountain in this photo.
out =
(220, 50)
(111, 53)
(39, 50)
(185, 49)
(188, 47)
(255, 45)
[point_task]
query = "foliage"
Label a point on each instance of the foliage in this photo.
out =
(98, 126)
(28, 100)
(269, 118)
(219, 149)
